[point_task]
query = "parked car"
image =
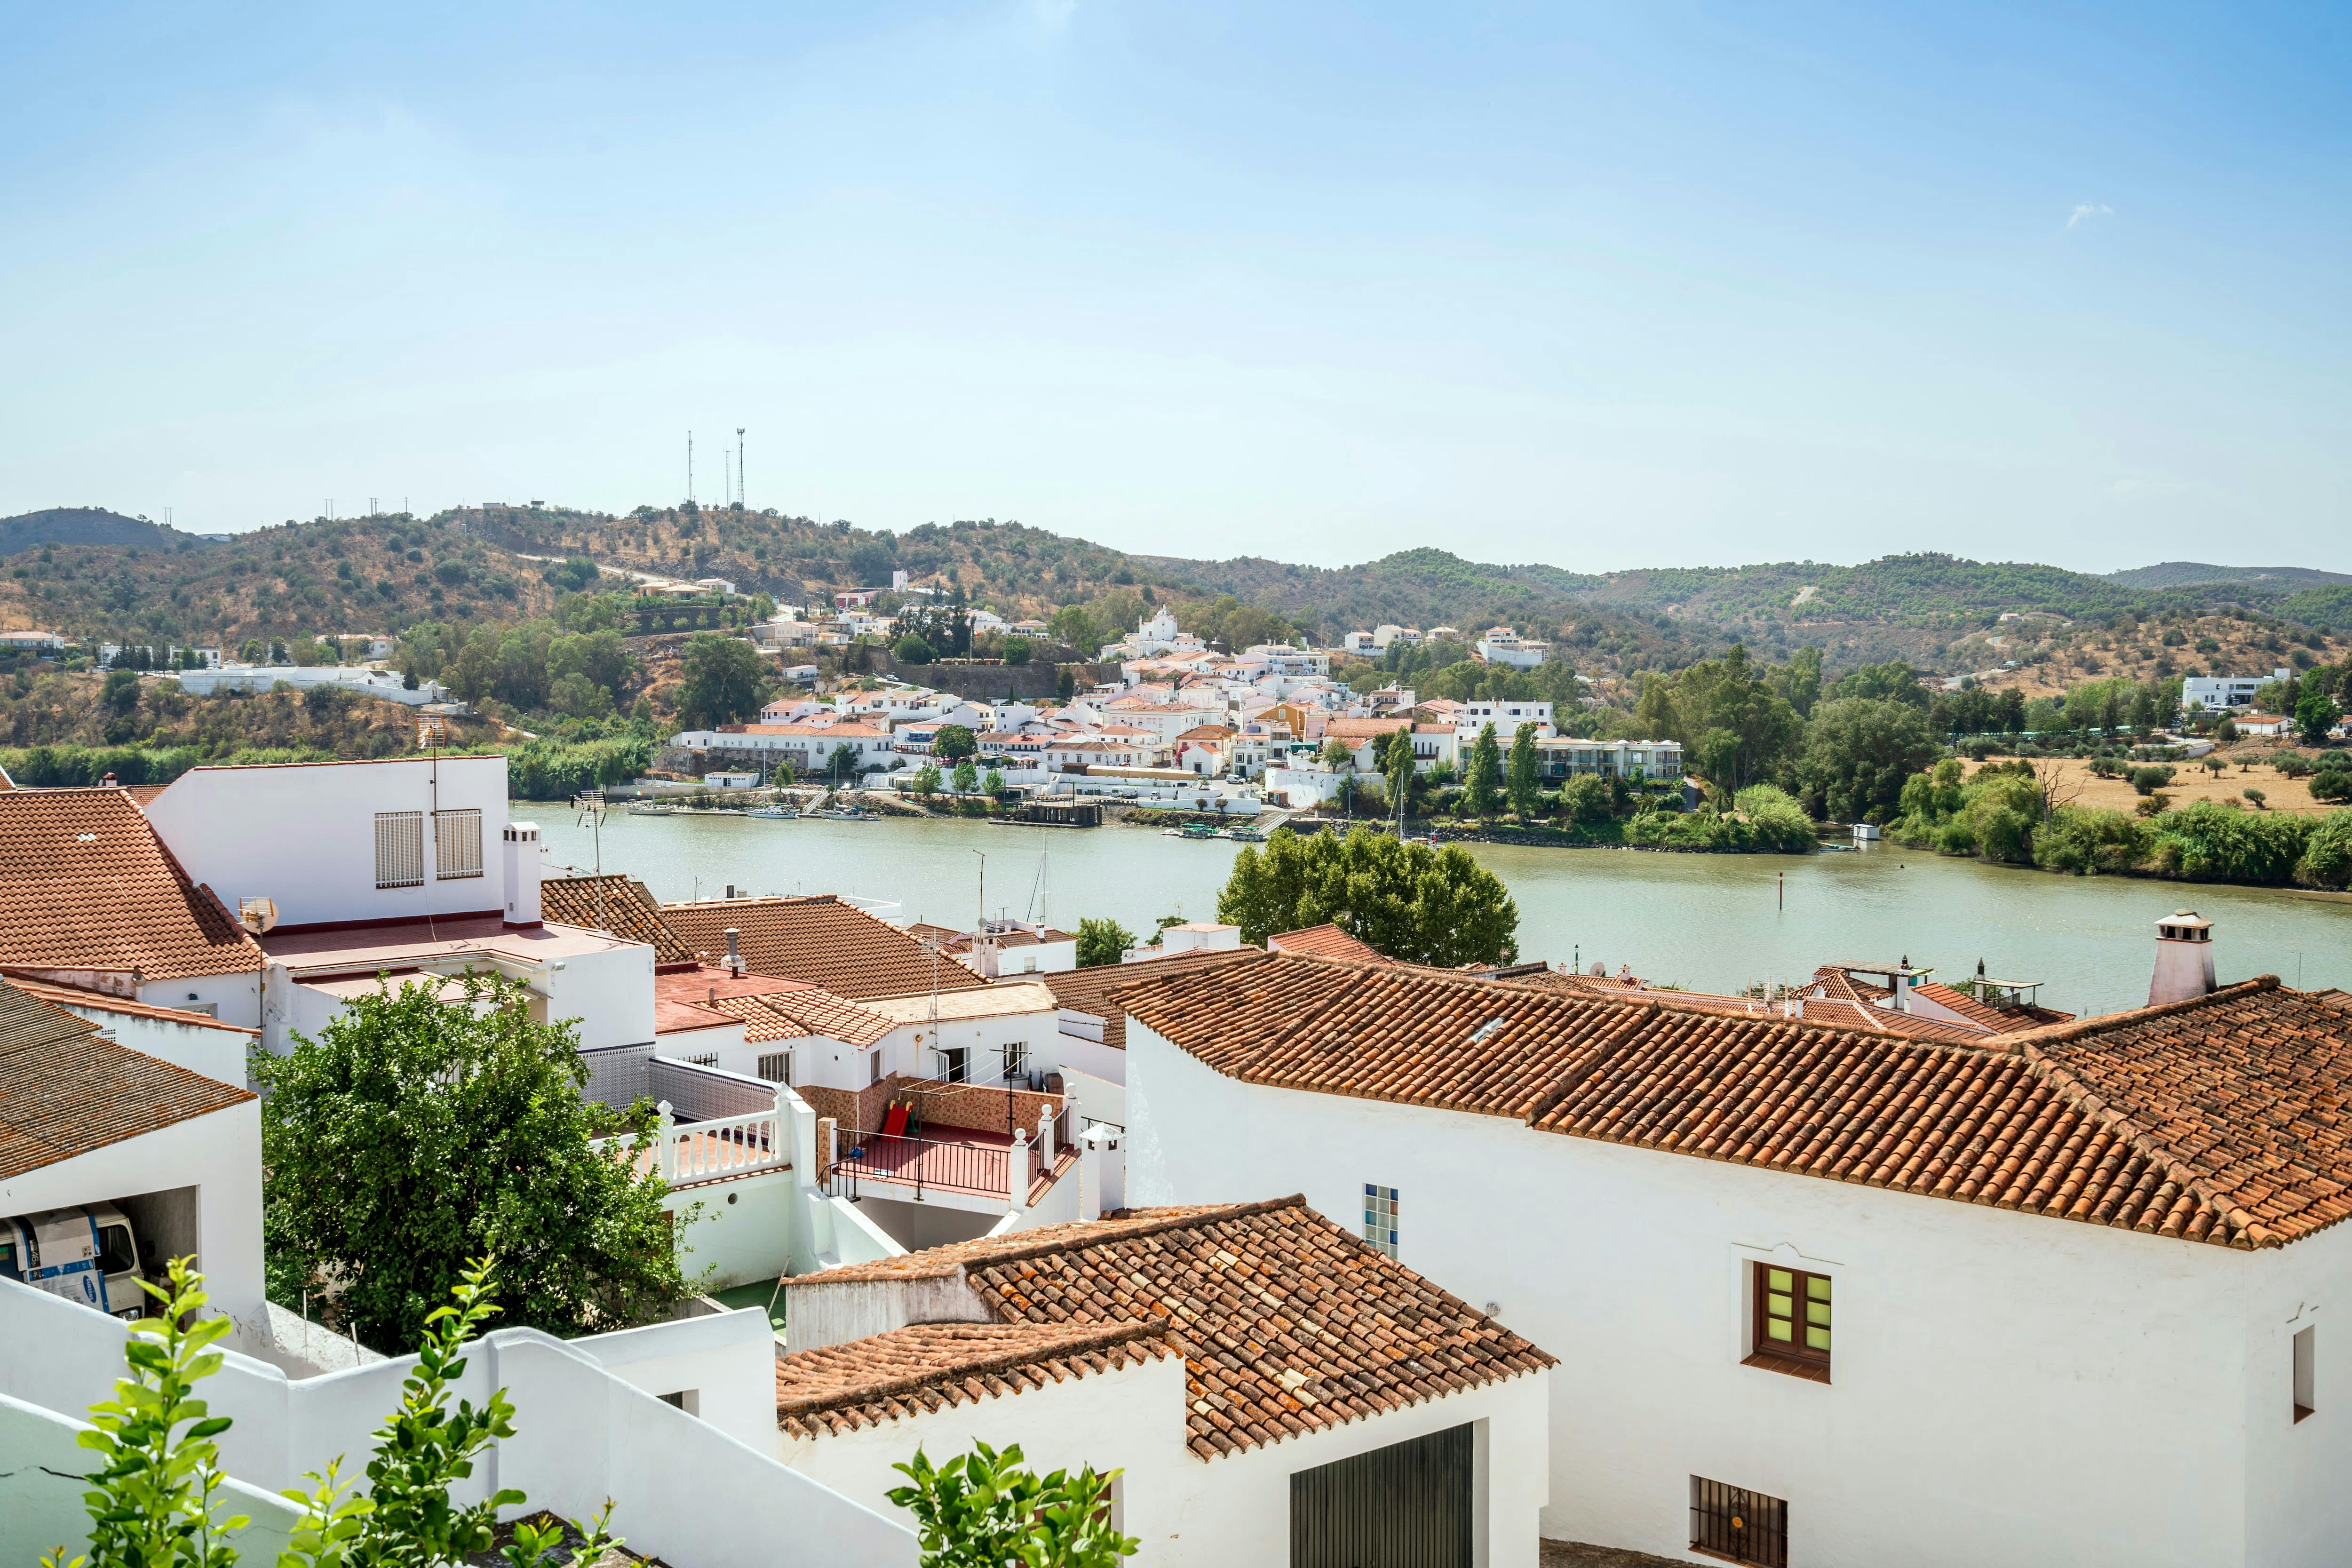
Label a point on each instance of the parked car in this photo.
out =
(87, 1254)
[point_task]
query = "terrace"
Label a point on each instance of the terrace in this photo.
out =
(961, 1145)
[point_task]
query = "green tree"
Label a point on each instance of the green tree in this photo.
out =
(2314, 715)
(953, 742)
(1859, 751)
(1016, 650)
(1102, 940)
(1733, 727)
(1336, 756)
(1398, 766)
(1483, 785)
(927, 781)
(1798, 682)
(414, 1133)
(982, 1510)
(912, 650)
(725, 681)
(967, 776)
(992, 786)
(1410, 901)
(1525, 783)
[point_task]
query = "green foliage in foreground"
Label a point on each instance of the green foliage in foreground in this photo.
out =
(151, 1506)
(982, 1510)
(1409, 901)
(62, 766)
(1765, 821)
(550, 768)
(416, 1131)
(2002, 815)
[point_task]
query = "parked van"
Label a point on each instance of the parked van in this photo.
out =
(87, 1254)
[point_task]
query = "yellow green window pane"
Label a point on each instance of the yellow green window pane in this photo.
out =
(1775, 1329)
(1817, 1313)
(1778, 1279)
(1780, 1306)
(1818, 1289)
(1817, 1339)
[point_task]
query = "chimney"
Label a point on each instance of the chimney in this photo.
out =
(521, 855)
(2184, 958)
(1901, 1001)
(108, 782)
(733, 961)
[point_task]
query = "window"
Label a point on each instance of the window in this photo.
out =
(399, 849)
(2303, 1405)
(710, 1060)
(776, 1066)
(1793, 1322)
(1738, 1526)
(457, 845)
(1016, 1058)
(1381, 1218)
(874, 1072)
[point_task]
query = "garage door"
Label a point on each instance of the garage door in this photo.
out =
(1405, 1506)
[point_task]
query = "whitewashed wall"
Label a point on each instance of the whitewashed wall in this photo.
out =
(2007, 1388)
(305, 836)
(215, 1052)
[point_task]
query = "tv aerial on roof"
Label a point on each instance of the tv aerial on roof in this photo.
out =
(259, 916)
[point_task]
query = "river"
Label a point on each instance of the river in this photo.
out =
(1708, 921)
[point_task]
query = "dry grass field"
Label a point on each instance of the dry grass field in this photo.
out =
(2190, 782)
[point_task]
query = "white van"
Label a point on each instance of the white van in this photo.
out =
(87, 1254)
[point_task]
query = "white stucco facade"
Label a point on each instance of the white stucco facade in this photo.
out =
(2006, 1388)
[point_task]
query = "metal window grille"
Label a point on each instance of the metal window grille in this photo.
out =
(457, 845)
(776, 1066)
(399, 849)
(1381, 1218)
(1745, 1526)
(710, 1060)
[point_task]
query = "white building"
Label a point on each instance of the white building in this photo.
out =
(1274, 1389)
(1506, 716)
(1781, 1243)
(2215, 693)
(1565, 757)
(358, 679)
(1501, 645)
(809, 748)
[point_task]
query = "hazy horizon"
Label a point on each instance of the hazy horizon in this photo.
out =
(1604, 289)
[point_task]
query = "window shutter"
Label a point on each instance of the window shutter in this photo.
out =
(457, 844)
(399, 849)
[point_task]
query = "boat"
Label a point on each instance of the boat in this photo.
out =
(850, 815)
(1172, 832)
(774, 813)
(1245, 834)
(1197, 830)
(651, 808)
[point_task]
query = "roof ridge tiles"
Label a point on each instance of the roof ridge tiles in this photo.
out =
(1044, 1345)
(2028, 1042)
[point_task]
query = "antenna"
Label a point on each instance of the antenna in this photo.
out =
(689, 466)
(738, 465)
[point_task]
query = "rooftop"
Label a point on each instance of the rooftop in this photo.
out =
(1024, 994)
(1327, 941)
(619, 906)
(397, 945)
(1090, 990)
(2216, 1120)
(84, 884)
(1286, 1322)
(63, 1091)
(930, 1366)
(820, 940)
(768, 1008)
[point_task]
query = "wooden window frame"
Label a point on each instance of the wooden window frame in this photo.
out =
(1793, 1357)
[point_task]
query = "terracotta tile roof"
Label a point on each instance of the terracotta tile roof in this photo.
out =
(1287, 1323)
(1090, 990)
(798, 1014)
(2217, 1120)
(63, 1091)
(71, 997)
(1326, 941)
(85, 883)
(820, 940)
(930, 1366)
(2000, 1020)
(616, 905)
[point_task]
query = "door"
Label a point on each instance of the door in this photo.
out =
(1409, 1505)
(956, 1072)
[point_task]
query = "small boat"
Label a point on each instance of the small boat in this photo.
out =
(1172, 832)
(651, 808)
(774, 813)
(851, 815)
(1245, 834)
(1198, 830)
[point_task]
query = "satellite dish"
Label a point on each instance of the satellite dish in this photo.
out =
(259, 916)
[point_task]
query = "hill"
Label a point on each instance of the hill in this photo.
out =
(89, 525)
(2193, 573)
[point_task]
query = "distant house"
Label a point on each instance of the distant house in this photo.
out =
(2262, 724)
(1501, 645)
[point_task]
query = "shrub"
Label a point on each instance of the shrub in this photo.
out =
(2332, 783)
(2149, 780)
(2292, 765)
(912, 650)
(2209, 842)
(2083, 840)
(2327, 853)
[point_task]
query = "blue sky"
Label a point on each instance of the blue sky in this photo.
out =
(1601, 286)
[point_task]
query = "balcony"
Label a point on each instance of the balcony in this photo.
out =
(966, 1146)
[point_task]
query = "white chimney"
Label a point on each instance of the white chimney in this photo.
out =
(1901, 1000)
(2184, 958)
(521, 852)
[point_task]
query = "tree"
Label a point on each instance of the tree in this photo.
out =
(1066, 684)
(1016, 650)
(967, 776)
(725, 681)
(1732, 726)
(1102, 940)
(1335, 756)
(414, 1133)
(992, 786)
(1859, 751)
(981, 1509)
(927, 781)
(1409, 901)
(1484, 790)
(1798, 682)
(1525, 784)
(912, 650)
(2316, 715)
(952, 741)
(1398, 765)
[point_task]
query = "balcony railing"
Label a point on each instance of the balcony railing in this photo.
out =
(685, 1151)
(925, 1164)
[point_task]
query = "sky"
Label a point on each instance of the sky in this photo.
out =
(1602, 286)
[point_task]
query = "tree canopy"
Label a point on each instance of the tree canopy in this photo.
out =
(725, 681)
(1859, 752)
(1409, 901)
(413, 1133)
(1735, 729)
(1102, 939)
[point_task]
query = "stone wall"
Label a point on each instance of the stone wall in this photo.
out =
(858, 1112)
(981, 1108)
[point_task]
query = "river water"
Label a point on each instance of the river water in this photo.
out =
(1709, 922)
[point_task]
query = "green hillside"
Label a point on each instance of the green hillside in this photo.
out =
(2191, 574)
